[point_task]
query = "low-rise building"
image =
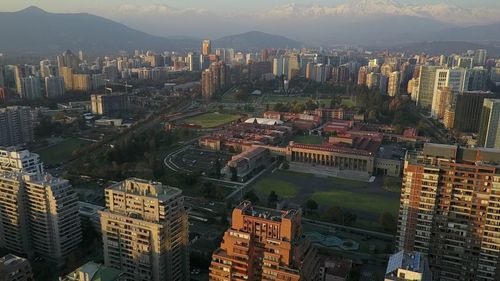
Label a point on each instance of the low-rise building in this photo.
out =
(14, 268)
(92, 271)
(408, 266)
(248, 163)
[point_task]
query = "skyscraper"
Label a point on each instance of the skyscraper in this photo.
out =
(394, 84)
(214, 79)
(264, 245)
(30, 88)
(363, 71)
(145, 231)
(427, 80)
(206, 47)
(54, 87)
(489, 127)
(40, 212)
(480, 57)
(16, 126)
(467, 109)
(193, 62)
(449, 211)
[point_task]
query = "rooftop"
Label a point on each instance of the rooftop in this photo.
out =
(264, 213)
(146, 188)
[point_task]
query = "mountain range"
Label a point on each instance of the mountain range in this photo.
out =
(35, 31)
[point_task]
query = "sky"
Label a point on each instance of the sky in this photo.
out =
(296, 19)
(232, 5)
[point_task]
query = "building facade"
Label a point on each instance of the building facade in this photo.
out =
(489, 127)
(449, 211)
(261, 245)
(16, 126)
(145, 231)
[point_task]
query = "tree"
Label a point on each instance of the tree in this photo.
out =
(311, 205)
(250, 195)
(234, 173)
(349, 218)
(217, 168)
(388, 222)
(285, 165)
(272, 199)
(334, 214)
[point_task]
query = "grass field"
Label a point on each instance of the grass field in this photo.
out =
(282, 188)
(309, 139)
(211, 120)
(357, 201)
(60, 152)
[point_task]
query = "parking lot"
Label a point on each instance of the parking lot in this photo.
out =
(201, 160)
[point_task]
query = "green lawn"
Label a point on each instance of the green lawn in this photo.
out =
(348, 102)
(210, 120)
(61, 152)
(282, 188)
(357, 201)
(309, 139)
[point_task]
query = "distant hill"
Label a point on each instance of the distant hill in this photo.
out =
(256, 40)
(35, 31)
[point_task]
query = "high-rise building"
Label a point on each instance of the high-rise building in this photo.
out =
(408, 266)
(363, 71)
(449, 211)
(478, 79)
(53, 216)
(15, 160)
(214, 79)
(67, 74)
(193, 62)
(427, 80)
(495, 75)
(442, 99)
(40, 212)
(293, 66)
(109, 104)
(467, 109)
(394, 84)
(372, 80)
(16, 126)
(82, 82)
(465, 62)
(45, 68)
(264, 245)
(14, 268)
(30, 88)
(206, 47)
(145, 231)
(54, 87)
(489, 127)
(479, 57)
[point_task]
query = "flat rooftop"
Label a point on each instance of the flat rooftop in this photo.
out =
(146, 188)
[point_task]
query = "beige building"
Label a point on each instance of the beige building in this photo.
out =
(394, 84)
(14, 160)
(39, 212)
(14, 268)
(145, 231)
(109, 104)
(67, 74)
(82, 82)
(40, 215)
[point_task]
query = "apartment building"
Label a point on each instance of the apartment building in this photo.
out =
(264, 245)
(450, 210)
(145, 231)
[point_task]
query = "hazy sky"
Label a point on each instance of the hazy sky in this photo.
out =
(212, 5)
(296, 18)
